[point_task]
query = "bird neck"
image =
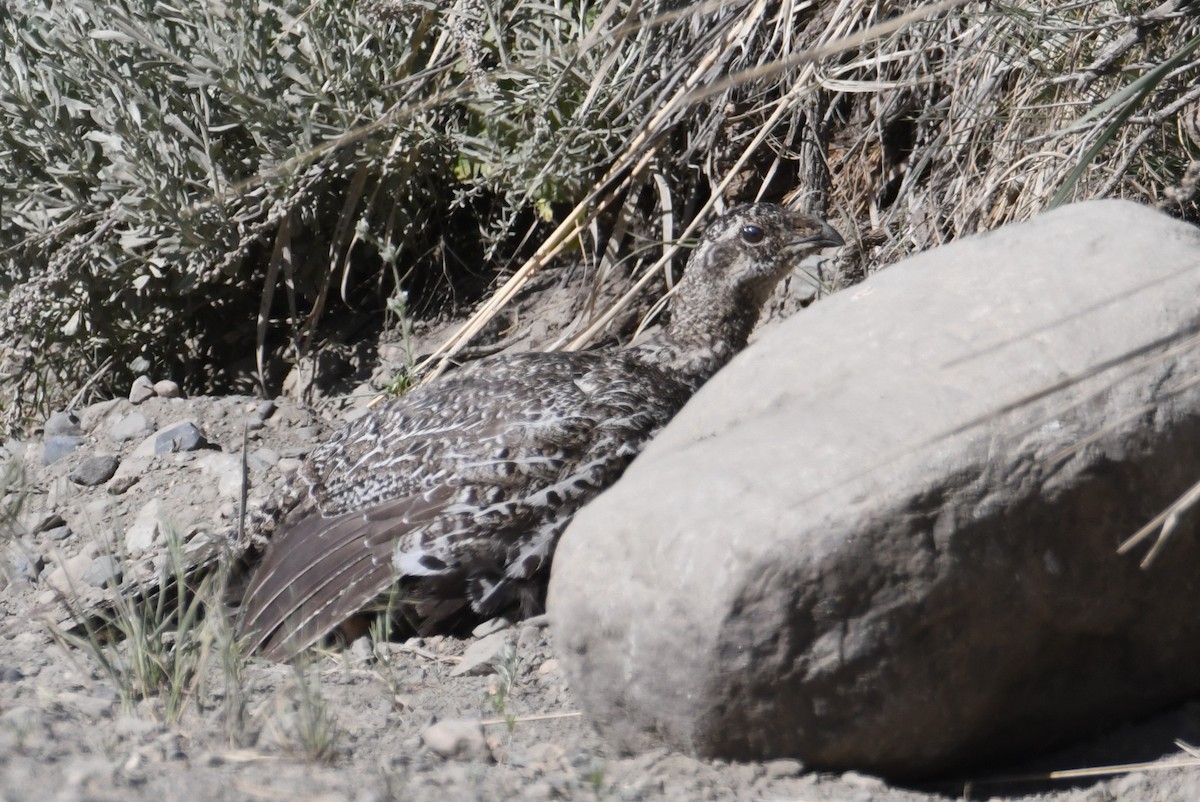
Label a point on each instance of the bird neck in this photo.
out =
(706, 330)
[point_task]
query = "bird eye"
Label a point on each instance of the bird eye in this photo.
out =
(752, 234)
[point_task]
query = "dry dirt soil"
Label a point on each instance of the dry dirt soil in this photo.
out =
(482, 717)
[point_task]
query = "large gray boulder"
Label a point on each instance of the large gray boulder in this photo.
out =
(885, 537)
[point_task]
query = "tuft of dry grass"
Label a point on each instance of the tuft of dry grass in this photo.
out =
(153, 642)
(913, 126)
(406, 146)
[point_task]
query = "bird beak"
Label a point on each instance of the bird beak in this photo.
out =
(827, 237)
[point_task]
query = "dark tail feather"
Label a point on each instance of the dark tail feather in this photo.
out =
(314, 576)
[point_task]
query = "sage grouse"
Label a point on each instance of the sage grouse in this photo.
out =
(454, 495)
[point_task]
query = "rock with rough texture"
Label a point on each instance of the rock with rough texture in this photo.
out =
(133, 426)
(141, 390)
(146, 529)
(482, 654)
(165, 388)
(182, 436)
(885, 537)
(95, 470)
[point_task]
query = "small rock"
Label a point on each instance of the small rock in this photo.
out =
(548, 667)
(262, 459)
(41, 521)
(288, 465)
(264, 410)
(95, 470)
(457, 739)
(478, 657)
(58, 533)
(55, 448)
(145, 530)
(9, 674)
(182, 436)
(133, 766)
(167, 389)
(104, 572)
(130, 427)
(62, 424)
(141, 390)
(120, 484)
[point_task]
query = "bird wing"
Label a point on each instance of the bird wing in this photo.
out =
(471, 477)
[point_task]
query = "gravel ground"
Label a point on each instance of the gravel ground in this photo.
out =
(483, 717)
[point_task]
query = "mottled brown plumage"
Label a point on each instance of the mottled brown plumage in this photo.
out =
(456, 493)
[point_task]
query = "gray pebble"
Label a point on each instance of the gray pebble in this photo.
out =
(9, 674)
(167, 389)
(105, 571)
(120, 484)
(182, 436)
(141, 390)
(58, 447)
(263, 458)
(95, 470)
(62, 423)
(132, 426)
(265, 410)
(480, 655)
(145, 530)
(288, 465)
(58, 533)
(41, 521)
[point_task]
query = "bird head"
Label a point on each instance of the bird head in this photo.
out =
(746, 251)
(742, 255)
